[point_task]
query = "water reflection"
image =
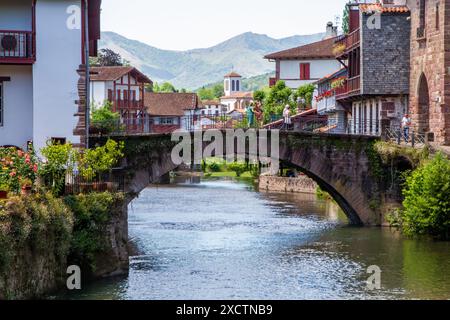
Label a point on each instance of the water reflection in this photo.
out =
(223, 240)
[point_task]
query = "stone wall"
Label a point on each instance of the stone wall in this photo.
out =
(300, 184)
(385, 55)
(430, 62)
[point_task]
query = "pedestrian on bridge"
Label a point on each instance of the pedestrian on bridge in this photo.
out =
(406, 125)
(287, 117)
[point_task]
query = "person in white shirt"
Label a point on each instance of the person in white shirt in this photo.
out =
(406, 125)
(287, 117)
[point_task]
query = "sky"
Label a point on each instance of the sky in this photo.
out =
(189, 24)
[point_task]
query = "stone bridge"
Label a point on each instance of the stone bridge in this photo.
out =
(345, 166)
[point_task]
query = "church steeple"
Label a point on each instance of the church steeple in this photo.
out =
(232, 83)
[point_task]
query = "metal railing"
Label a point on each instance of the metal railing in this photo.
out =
(77, 184)
(16, 45)
(410, 137)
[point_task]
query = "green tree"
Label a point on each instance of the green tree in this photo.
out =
(218, 91)
(346, 20)
(165, 87)
(107, 58)
(305, 92)
(206, 94)
(104, 119)
(238, 167)
(427, 199)
(279, 96)
(259, 96)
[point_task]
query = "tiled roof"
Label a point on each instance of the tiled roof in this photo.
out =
(233, 75)
(171, 104)
(115, 73)
(338, 73)
(366, 8)
(317, 50)
(239, 95)
(211, 103)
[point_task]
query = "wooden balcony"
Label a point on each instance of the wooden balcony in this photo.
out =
(124, 104)
(17, 47)
(352, 87)
(347, 43)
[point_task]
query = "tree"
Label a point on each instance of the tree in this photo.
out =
(279, 96)
(427, 200)
(346, 20)
(206, 94)
(259, 96)
(108, 58)
(306, 93)
(165, 87)
(218, 91)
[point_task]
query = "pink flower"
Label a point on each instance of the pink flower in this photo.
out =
(35, 168)
(13, 174)
(27, 160)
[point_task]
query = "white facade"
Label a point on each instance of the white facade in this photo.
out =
(211, 109)
(39, 100)
(366, 114)
(290, 71)
(99, 90)
(232, 84)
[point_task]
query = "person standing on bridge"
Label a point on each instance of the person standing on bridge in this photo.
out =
(406, 125)
(287, 117)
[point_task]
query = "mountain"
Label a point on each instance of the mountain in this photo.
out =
(194, 68)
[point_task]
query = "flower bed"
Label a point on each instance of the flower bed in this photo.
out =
(18, 170)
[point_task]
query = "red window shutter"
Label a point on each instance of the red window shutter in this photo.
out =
(110, 95)
(307, 71)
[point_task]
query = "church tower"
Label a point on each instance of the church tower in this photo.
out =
(232, 83)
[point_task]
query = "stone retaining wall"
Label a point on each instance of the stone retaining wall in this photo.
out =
(301, 184)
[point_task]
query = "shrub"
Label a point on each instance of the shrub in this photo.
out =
(100, 160)
(104, 119)
(427, 199)
(238, 167)
(91, 213)
(60, 159)
(215, 167)
(40, 222)
(16, 166)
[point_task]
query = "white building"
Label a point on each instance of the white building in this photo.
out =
(213, 108)
(306, 64)
(124, 88)
(235, 99)
(41, 49)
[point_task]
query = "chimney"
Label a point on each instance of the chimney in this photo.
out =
(331, 31)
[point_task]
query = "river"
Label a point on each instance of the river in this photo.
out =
(224, 240)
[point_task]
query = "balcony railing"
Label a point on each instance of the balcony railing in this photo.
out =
(17, 47)
(347, 43)
(351, 87)
(128, 104)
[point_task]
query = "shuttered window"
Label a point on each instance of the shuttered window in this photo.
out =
(305, 71)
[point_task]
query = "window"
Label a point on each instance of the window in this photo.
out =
(422, 14)
(1, 104)
(168, 121)
(437, 16)
(233, 85)
(305, 71)
(237, 85)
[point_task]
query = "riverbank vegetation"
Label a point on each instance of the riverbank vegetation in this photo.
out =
(425, 188)
(215, 168)
(40, 223)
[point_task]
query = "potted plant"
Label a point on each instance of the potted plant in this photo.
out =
(26, 186)
(4, 188)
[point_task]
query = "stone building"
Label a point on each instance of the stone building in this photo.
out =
(430, 68)
(376, 53)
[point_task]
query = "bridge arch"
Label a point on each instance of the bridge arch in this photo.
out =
(341, 164)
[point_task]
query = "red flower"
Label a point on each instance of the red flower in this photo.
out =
(13, 174)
